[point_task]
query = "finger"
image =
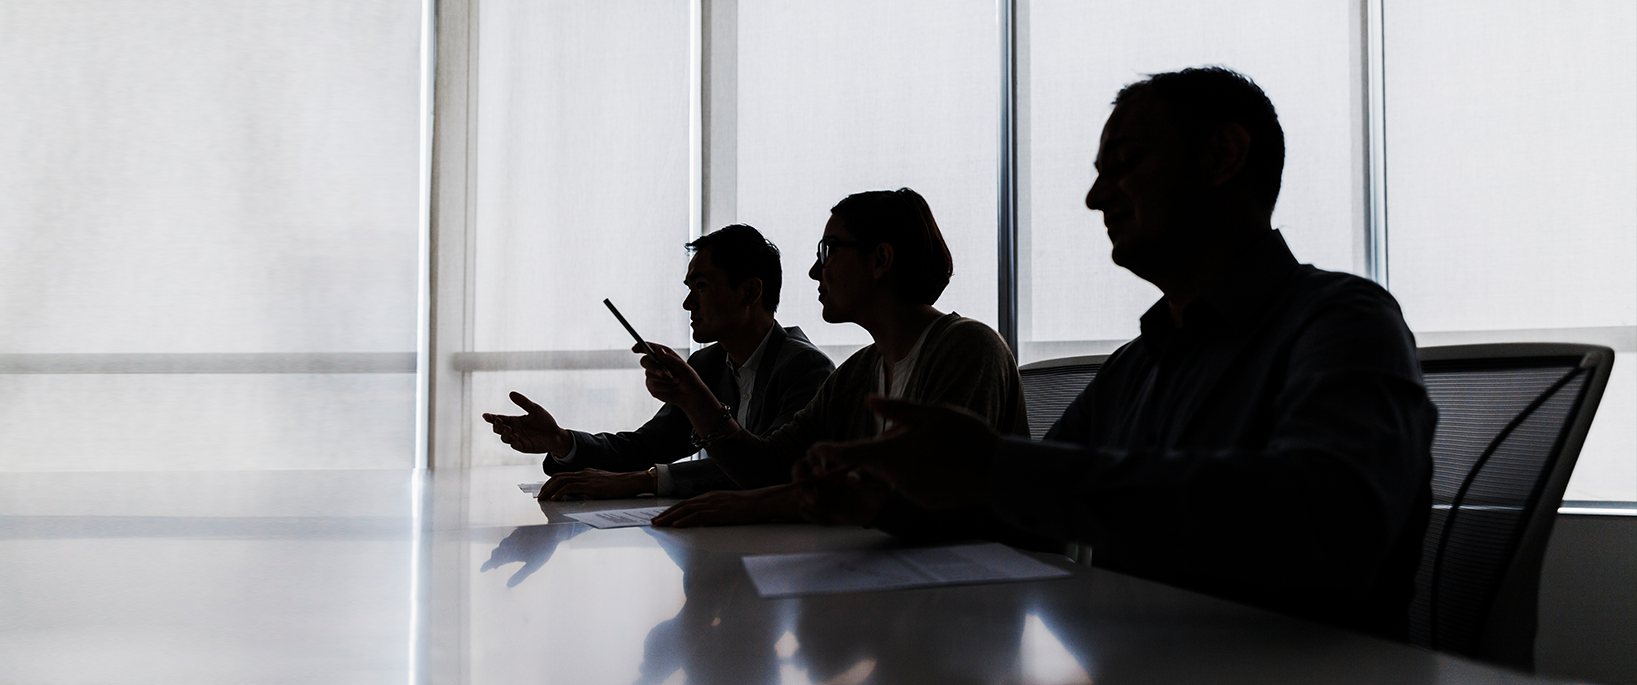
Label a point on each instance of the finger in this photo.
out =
(527, 404)
(556, 483)
(701, 517)
(656, 367)
(665, 357)
(661, 379)
(676, 511)
(666, 354)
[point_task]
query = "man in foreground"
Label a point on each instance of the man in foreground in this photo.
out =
(763, 373)
(1266, 438)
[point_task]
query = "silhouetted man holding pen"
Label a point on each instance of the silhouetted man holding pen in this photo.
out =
(1266, 438)
(761, 372)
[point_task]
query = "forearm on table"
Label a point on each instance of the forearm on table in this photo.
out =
(690, 478)
(1262, 512)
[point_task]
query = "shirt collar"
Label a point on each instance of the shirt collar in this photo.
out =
(1242, 290)
(755, 360)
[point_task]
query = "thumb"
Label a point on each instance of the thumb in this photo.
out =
(527, 405)
(666, 357)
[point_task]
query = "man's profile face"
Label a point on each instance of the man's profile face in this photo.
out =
(1148, 185)
(714, 307)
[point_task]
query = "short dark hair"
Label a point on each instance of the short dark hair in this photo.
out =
(742, 253)
(1201, 99)
(901, 218)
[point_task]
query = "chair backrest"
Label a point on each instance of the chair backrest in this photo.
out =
(1511, 421)
(1050, 386)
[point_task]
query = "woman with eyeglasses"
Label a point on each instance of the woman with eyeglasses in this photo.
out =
(882, 264)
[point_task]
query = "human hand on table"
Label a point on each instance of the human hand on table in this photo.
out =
(535, 432)
(730, 507)
(934, 456)
(597, 484)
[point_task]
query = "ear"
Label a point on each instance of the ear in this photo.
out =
(881, 260)
(750, 291)
(1225, 153)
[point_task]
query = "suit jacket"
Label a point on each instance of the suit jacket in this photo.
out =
(791, 371)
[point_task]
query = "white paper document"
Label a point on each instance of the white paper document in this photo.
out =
(618, 518)
(826, 573)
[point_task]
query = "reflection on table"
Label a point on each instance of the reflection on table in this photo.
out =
(393, 577)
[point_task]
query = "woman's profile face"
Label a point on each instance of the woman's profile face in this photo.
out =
(845, 279)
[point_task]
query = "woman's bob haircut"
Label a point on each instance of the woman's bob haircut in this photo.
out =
(921, 265)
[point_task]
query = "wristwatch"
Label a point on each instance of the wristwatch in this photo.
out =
(653, 472)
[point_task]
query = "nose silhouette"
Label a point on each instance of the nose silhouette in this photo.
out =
(1097, 196)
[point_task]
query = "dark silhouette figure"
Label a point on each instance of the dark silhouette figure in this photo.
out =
(759, 371)
(1267, 437)
(882, 263)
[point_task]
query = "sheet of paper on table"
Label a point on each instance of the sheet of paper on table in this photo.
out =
(531, 489)
(825, 573)
(618, 518)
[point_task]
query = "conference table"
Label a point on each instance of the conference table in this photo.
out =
(457, 576)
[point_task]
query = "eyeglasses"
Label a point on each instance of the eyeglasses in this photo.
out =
(825, 244)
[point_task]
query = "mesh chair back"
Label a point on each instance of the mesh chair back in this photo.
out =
(1050, 386)
(1510, 425)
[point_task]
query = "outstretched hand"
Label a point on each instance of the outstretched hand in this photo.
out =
(535, 432)
(934, 456)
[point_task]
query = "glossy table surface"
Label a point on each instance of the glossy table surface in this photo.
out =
(458, 577)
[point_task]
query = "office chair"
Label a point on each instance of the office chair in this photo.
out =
(1050, 386)
(1511, 421)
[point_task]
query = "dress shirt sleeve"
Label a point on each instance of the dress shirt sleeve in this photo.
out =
(553, 466)
(1319, 509)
